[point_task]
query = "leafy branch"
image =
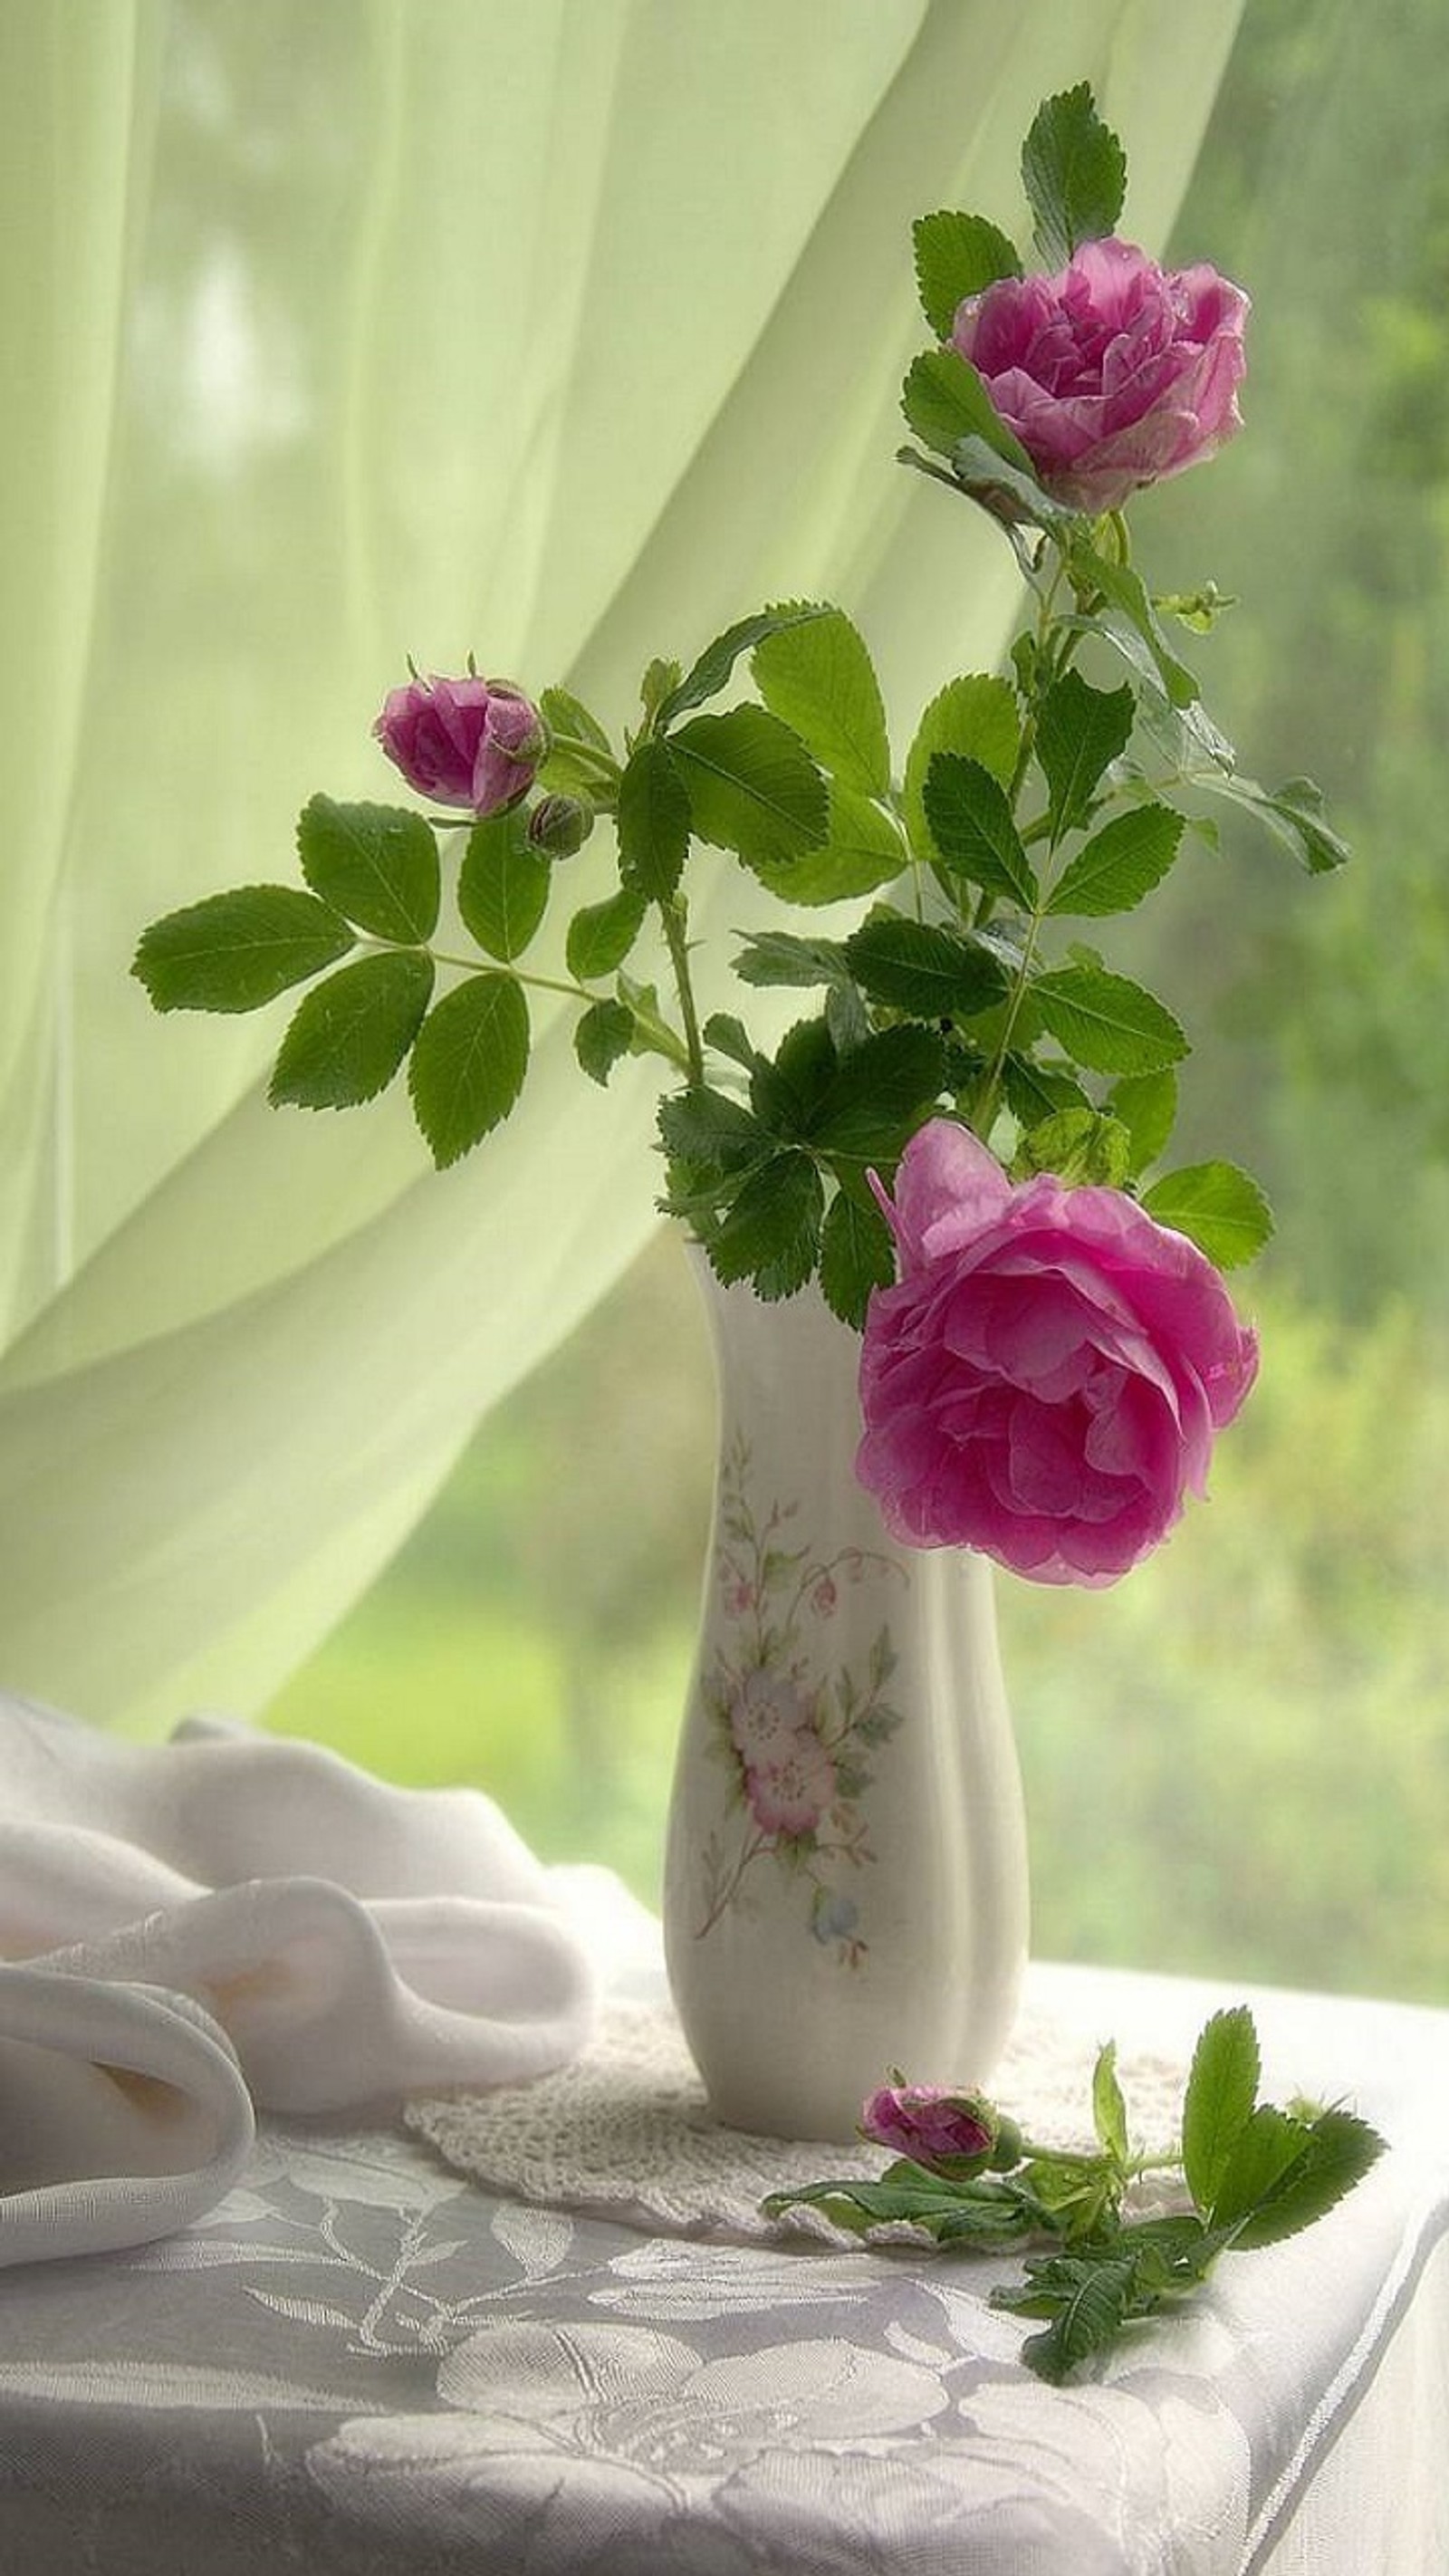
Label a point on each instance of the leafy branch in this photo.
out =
(1252, 2174)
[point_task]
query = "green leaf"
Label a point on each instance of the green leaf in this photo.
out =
(351, 1032)
(468, 1063)
(503, 885)
(708, 1129)
(1081, 1145)
(787, 1093)
(920, 967)
(879, 1093)
(1338, 2150)
(1222, 2088)
(1075, 174)
(601, 935)
(602, 1036)
(956, 256)
(1109, 2111)
(708, 675)
(562, 712)
(752, 786)
(1036, 1091)
(729, 1037)
(945, 401)
(1106, 1022)
(862, 849)
(1292, 815)
(653, 821)
(779, 957)
(981, 471)
(818, 678)
(377, 864)
(970, 823)
(1146, 1105)
(772, 1232)
(857, 1253)
(1120, 864)
(1220, 1208)
(235, 951)
(1269, 2148)
(975, 716)
(1080, 731)
(1090, 2314)
(1125, 592)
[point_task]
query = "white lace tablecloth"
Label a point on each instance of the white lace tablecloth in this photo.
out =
(364, 2363)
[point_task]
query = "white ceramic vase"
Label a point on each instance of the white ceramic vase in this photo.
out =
(845, 1875)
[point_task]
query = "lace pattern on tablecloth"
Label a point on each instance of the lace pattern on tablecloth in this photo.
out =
(625, 2131)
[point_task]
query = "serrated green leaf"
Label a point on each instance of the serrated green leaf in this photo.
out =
(863, 848)
(857, 1253)
(975, 716)
(468, 1063)
(1106, 1022)
(1080, 732)
(1120, 864)
(1089, 2315)
(1036, 1091)
(818, 678)
(921, 967)
(1338, 2150)
(349, 1035)
(984, 473)
(1220, 1208)
(1075, 174)
(376, 864)
(706, 677)
(601, 935)
(1146, 1105)
(729, 1037)
(771, 1233)
(235, 951)
(709, 1130)
(945, 401)
(653, 821)
(503, 886)
(780, 957)
(1222, 2088)
(878, 1094)
(957, 255)
(1268, 2149)
(604, 1034)
(1291, 816)
(787, 1093)
(753, 787)
(971, 826)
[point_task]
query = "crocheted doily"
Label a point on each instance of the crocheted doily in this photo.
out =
(625, 2132)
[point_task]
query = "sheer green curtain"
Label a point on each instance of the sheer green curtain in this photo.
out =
(345, 331)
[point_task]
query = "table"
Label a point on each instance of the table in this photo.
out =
(362, 2362)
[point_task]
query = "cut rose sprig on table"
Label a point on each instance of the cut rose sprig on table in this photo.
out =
(1246, 2174)
(1027, 807)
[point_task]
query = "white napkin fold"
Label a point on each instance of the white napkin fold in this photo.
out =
(229, 1919)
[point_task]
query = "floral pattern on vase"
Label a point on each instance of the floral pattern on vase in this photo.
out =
(798, 1728)
(845, 1872)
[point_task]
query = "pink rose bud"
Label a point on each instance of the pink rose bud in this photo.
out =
(559, 825)
(1045, 1380)
(950, 2133)
(474, 743)
(1113, 373)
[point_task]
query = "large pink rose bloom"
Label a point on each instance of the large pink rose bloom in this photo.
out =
(475, 743)
(1046, 1377)
(1113, 373)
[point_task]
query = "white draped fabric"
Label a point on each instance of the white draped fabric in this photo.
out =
(564, 335)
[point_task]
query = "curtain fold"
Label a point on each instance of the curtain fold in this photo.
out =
(563, 337)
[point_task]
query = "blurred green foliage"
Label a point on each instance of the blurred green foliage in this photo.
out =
(1237, 1762)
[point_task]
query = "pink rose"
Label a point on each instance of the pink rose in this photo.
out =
(1045, 1378)
(1113, 374)
(466, 742)
(950, 2133)
(789, 1793)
